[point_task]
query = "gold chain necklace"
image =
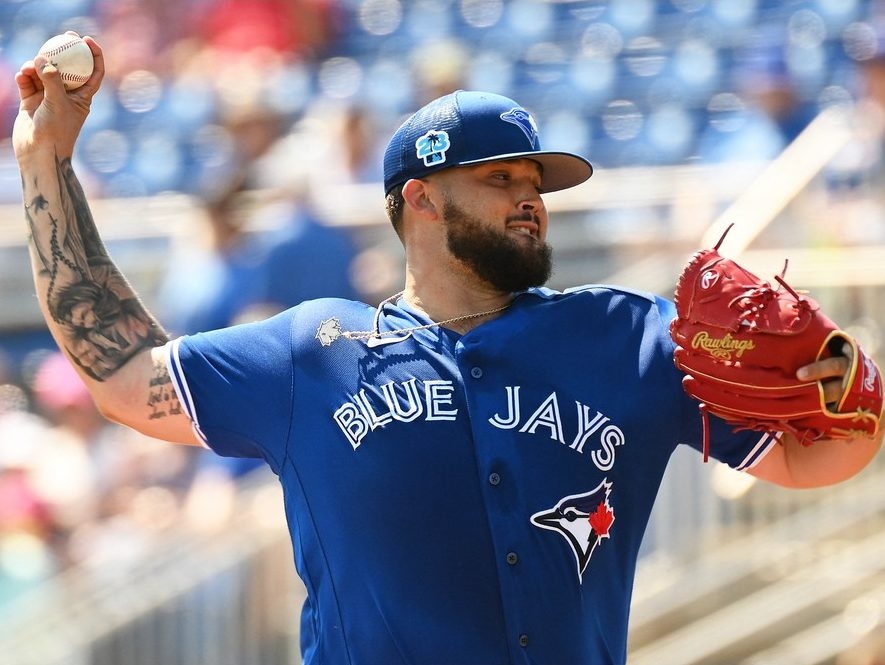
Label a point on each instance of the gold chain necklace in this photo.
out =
(330, 329)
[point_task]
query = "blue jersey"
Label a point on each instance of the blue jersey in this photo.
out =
(459, 499)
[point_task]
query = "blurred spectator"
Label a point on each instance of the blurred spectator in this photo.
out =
(212, 277)
(862, 161)
(359, 149)
(137, 32)
(756, 121)
(27, 557)
(61, 396)
(304, 258)
(855, 176)
(72, 482)
(302, 255)
(66, 475)
(738, 132)
(266, 248)
(344, 146)
(440, 67)
(253, 262)
(299, 27)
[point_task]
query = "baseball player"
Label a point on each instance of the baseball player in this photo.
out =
(468, 467)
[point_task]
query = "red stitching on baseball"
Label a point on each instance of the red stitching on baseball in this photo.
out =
(59, 49)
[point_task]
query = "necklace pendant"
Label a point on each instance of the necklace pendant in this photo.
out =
(329, 331)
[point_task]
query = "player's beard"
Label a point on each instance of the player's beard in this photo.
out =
(508, 264)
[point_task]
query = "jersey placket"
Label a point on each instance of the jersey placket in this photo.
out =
(498, 479)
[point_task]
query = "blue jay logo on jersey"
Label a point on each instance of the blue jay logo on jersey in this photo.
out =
(524, 120)
(432, 147)
(582, 519)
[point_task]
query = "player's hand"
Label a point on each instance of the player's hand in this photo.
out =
(829, 371)
(50, 117)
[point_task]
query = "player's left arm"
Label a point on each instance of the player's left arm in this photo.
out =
(828, 461)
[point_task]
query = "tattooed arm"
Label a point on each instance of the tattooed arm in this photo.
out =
(91, 310)
(96, 315)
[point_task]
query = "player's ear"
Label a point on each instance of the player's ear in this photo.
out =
(418, 197)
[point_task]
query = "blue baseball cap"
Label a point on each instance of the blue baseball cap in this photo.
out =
(469, 127)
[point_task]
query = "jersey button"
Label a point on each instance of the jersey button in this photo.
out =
(523, 640)
(476, 372)
(512, 558)
(494, 479)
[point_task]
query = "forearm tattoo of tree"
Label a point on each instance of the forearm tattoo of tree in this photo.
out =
(101, 320)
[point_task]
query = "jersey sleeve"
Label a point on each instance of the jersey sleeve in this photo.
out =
(236, 385)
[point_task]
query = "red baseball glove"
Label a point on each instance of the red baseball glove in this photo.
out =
(740, 341)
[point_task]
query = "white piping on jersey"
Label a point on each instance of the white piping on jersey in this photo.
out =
(760, 450)
(179, 383)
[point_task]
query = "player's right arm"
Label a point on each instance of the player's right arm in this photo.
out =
(92, 312)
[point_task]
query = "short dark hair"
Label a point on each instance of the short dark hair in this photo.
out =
(394, 206)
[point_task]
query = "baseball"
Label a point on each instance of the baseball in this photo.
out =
(71, 56)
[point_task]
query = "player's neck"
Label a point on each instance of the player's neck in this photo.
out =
(445, 299)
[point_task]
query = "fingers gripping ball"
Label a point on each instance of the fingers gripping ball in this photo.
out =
(71, 56)
(740, 341)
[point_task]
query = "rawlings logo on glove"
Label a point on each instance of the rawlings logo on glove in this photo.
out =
(740, 341)
(722, 348)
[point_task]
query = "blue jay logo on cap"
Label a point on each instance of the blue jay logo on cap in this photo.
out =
(432, 147)
(524, 120)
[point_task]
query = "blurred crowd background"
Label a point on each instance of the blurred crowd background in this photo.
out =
(195, 87)
(223, 101)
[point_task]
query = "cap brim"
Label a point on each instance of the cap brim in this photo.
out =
(559, 170)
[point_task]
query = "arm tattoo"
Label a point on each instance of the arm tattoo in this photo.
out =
(101, 321)
(162, 399)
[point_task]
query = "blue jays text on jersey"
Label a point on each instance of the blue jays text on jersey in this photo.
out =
(476, 498)
(434, 401)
